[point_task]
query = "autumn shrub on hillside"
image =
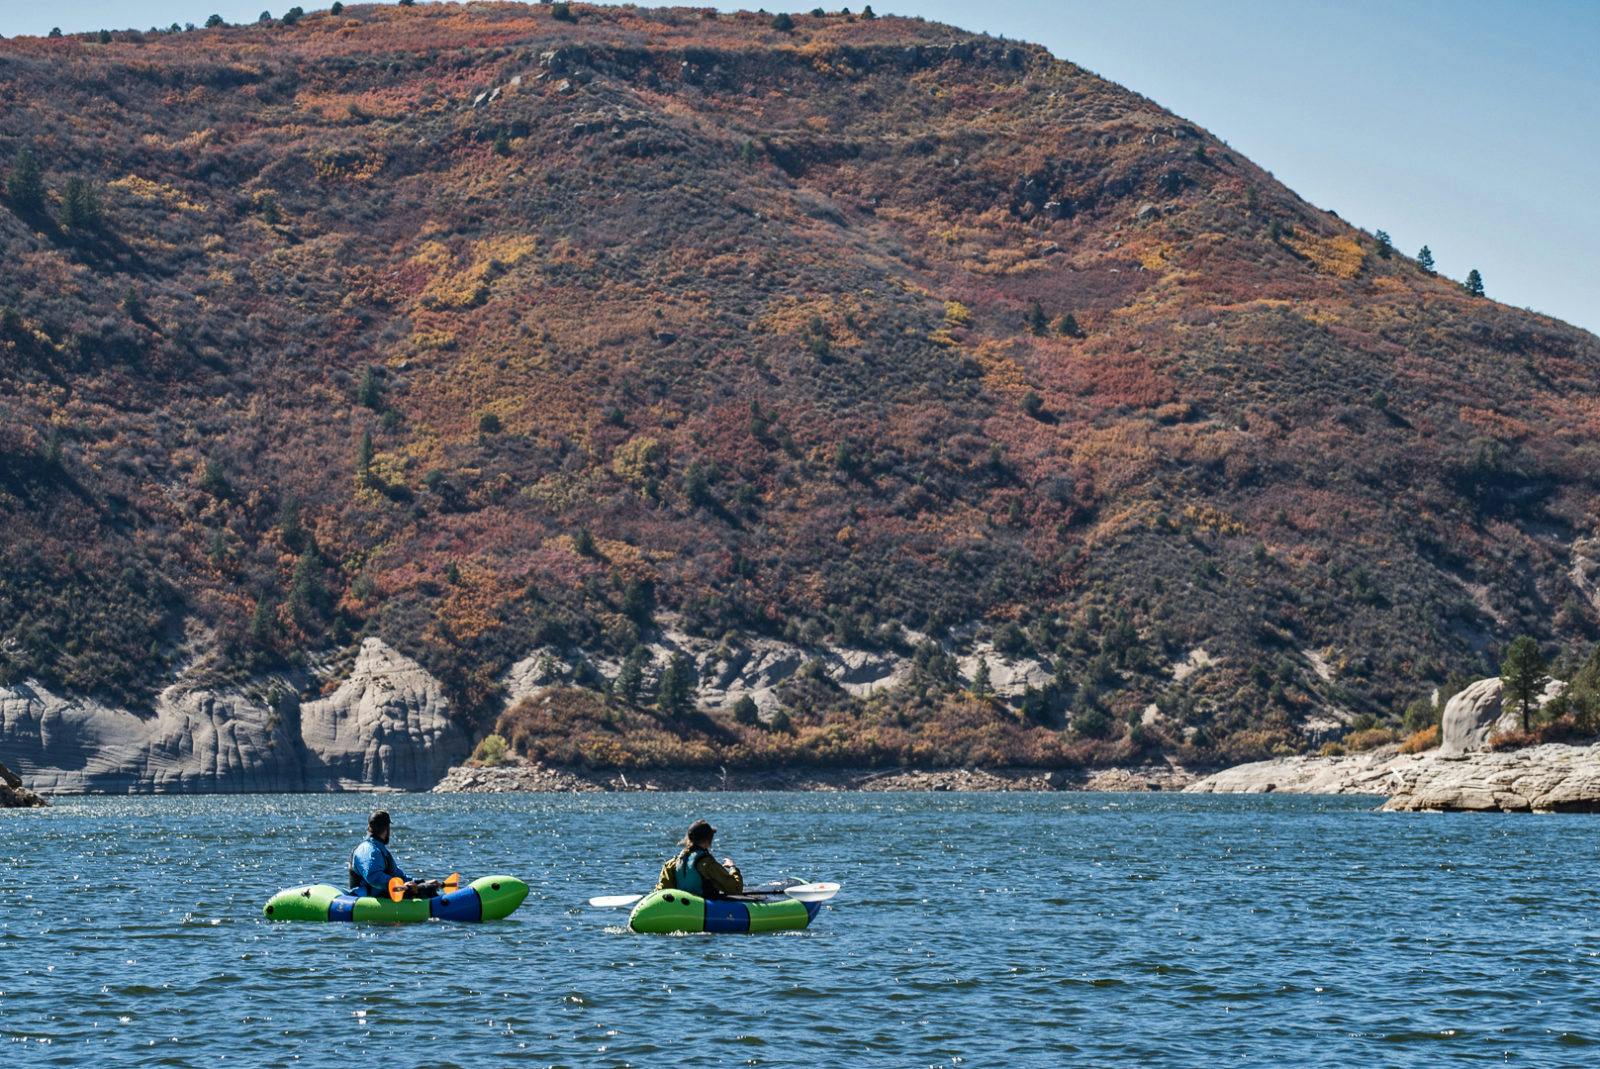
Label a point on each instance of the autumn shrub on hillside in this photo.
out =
(1420, 741)
(581, 728)
(798, 347)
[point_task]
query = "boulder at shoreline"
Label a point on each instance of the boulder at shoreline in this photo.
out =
(1478, 712)
(13, 795)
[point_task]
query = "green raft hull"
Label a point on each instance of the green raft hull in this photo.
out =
(488, 898)
(668, 912)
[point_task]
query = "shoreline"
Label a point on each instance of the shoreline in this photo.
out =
(1550, 778)
(516, 775)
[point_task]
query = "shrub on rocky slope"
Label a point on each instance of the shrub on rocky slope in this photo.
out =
(485, 330)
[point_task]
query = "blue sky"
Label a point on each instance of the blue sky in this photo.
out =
(1470, 125)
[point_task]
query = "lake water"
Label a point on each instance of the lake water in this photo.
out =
(978, 930)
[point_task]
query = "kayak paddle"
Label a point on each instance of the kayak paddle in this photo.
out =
(812, 892)
(800, 892)
(397, 886)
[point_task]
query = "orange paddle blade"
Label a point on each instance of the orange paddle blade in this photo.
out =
(452, 881)
(397, 888)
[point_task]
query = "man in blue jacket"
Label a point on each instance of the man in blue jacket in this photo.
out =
(372, 866)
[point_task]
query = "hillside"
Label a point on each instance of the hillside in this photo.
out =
(487, 332)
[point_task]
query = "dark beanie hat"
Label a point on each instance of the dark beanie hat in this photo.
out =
(379, 819)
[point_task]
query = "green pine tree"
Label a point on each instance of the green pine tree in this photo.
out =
(213, 480)
(1038, 322)
(308, 591)
(1385, 246)
(1474, 284)
(981, 684)
(676, 694)
(25, 185)
(264, 624)
(290, 529)
(630, 677)
(1425, 260)
(80, 205)
(364, 459)
(746, 712)
(1521, 674)
(639, 602)
(370, 392)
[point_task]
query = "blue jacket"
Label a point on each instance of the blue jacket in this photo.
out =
(371, 869)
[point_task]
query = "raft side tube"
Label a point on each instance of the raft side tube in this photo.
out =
(305, 903)
(499, 895)
(487, 898)
(669, 911)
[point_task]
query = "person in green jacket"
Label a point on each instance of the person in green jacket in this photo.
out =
(696, 872)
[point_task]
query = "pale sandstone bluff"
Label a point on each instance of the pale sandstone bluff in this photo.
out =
(1554, 778)
(756, 668)
(387, 726)
(1460, 776)
(1540, 779)
(1363, 773)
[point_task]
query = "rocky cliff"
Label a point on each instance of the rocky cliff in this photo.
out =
(730, 669)
(387, 725)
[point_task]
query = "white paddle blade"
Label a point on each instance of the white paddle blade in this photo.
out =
(614, 901)
(812, 892)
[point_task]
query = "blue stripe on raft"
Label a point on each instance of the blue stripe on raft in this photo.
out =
(342, 908)
(811, 910)
(462, 905)
(724, 916)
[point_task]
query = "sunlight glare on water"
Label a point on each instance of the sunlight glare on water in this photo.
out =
(975, 930)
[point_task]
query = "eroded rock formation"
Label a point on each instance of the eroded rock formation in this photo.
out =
(757, 667)
(387, 726)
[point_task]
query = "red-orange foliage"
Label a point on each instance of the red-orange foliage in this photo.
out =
(547, 240)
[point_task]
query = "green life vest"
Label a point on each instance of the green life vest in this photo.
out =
(687, 876)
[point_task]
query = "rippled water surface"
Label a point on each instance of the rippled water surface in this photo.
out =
(1063, 929)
